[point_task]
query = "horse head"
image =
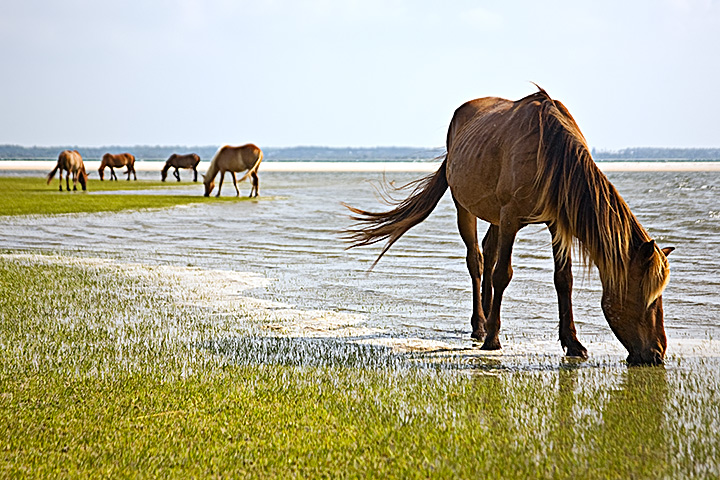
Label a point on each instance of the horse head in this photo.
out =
(82, 178)
(635, 313)
(209, 184)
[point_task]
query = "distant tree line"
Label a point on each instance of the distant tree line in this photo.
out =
(154, 153)
(329, 154)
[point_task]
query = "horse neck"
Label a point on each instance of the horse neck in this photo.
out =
(581, 202)
(212, 170)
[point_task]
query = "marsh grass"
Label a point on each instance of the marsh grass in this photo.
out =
(32, 196)
(104, 373)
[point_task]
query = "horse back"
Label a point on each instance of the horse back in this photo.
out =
(492, 155)
(118, 159)
(240, 158)
(70, 160)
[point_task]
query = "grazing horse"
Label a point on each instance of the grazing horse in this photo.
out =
(117, 160)
(234, 159)
(70, 161)
(191, 160)
(513, 163)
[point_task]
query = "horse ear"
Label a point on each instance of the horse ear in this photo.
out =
(667, 250)
(646, 251)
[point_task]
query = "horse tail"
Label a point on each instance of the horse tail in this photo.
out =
(373, 227)
(51, 175)
(254, 168)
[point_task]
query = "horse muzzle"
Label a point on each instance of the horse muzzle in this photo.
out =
(649, 357)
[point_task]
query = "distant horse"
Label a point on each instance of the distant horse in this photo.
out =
(516, 163)
(70, 161)
(234, 159)
(176, 161)
(119, 160)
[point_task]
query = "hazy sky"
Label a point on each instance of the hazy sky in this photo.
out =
(350, 73)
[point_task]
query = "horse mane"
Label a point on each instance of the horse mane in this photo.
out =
(579, 200)
(212, 170)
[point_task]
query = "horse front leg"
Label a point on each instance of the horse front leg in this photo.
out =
(509, 226)
(489, 250)
(176, 174)
(67, 180)
(467, 225)
(563, 278)
(75, 179)
(237, 190)
(112, 174)
(222, 177)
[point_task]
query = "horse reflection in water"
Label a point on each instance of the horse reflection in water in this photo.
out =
(514, 163)
(640, 437)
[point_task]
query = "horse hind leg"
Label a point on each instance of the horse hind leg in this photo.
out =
(489, 250)
(67, 180)
(502, 274)
(467, 225)
(255, 181)
(563, 279)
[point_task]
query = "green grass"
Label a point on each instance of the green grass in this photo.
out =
(109, 373)
(31, 195)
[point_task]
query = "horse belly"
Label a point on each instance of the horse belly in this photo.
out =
(473, 183)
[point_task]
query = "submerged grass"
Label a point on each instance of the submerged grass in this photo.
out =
(31, 195)
(104, 373)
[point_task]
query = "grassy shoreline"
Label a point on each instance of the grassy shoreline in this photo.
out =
(105, 373)
(32, 196)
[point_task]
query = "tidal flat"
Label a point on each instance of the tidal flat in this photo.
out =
(240, 339)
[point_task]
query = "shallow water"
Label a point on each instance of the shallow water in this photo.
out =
(418, 297)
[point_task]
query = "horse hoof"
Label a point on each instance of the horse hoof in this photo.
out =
(491, 344)
(478, 335)
(576, 351)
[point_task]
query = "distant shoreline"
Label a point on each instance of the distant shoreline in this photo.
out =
(375, 166)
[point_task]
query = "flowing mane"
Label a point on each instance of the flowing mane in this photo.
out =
(579, 200)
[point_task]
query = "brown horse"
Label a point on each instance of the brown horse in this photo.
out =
(70, 161)
(234, 159)
(191, 160)
(117, 160)
(513, 163)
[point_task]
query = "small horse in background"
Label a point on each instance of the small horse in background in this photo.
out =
(70, 161)
(234, 159)
(117, 160)
(191, 160)
(513, 163)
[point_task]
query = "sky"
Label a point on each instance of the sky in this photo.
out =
(365, 73)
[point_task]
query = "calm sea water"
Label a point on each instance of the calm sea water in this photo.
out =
(419, 294)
